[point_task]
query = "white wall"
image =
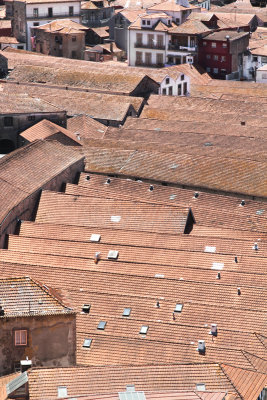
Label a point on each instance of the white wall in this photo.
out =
(14, 46)
(261, 76)
(249, 64)
(59, 10)
(174, 85)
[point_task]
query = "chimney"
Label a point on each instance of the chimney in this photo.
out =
(201, 348)
(256, 247)
(213, 330)
(242, 203)
(25, 364)
(97, 257)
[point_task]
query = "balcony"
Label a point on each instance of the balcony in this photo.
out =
(156, 46)
(177, 47)
(53, 16)
(148, 65)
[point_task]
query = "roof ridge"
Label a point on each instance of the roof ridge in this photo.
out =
(229, 379)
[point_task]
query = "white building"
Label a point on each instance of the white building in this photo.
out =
(149, 37)
(261, 74)
(175, 85)
(255, 59)
(32, 13)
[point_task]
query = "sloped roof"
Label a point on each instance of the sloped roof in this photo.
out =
(63, 26)
(45, 129)
(191, 27)
(170, 5)
(86, 127)
(25, 297)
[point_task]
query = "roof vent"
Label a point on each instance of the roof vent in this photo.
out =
(196, 195)
(238, 291)
(157, 304)
(256, 247)
(62, 392)
(151, 188)
(210, 249)
(97, 257)
(113, 254)
(178, 308)
(201, 348)
(213, 330)
(87, 177)
(236, 260)
(108, 181)
(243, 123)
(242, 203)
(126, 312)
(217, 265)
(201, 387)
(144, 330)
(95, 237)
(86, 308)
(2, 311)
(115, 218)
(227, 37)
(87, 343)
(101, 325)
(218, 275)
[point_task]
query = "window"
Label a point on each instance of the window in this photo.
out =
(151, 41)
(139, 39)
(144, 330)
(167, 81)
(148, 58)
(224, 45)
(73, 54)
(201, 387)
(36, 24)
(164, 92)
(223, 58)
(170, 91)
(71, 11)
(182, 77)
(31, 118)
(215, 57)
(21, 338)
(255, 58)
(50, 12)
(102, 325)
(139, 56)
(223, 71)
(159, 59)
(126, 312)
(177, 21)
(160, 41)
(148, 22)
(20, 47)
(215, 70)
(213, 44)
(144, 22)
(208, 56)
(73, 38)
(204, 43)
(208, 69)
(86, 308)
(8, 121)
(35, 12)
(179, 90)
(87, 343)
(185, 88)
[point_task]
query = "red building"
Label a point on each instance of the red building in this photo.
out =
(221, 53)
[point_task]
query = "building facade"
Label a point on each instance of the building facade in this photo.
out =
(96, 13)
(221, 53)
(35, 325)
(33, 13)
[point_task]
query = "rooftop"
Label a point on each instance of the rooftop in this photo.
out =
(25, 297)
(223, 35)
(65, 26)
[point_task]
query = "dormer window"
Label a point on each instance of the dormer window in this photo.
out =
(167, 81)
(182, 77)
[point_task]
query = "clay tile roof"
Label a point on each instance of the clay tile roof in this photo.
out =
(40, 161)
(101, 31)
(63, 26)
(25, 297)
(191, 26)
(46, 129)
(106, 380)
(86, 127)
(170, 6)
(221, 35)
(260, 51)
(8, 39)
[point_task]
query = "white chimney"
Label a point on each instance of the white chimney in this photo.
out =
(213, 330)
(201, 346)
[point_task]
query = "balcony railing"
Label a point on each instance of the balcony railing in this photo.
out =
(181, 48)
(49, 15)
(159, 46)
(149, 65)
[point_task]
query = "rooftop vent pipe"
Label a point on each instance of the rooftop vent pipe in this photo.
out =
(201, 346)
(97, 257)
(242, 203)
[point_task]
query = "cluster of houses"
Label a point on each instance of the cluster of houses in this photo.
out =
(227, 44)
